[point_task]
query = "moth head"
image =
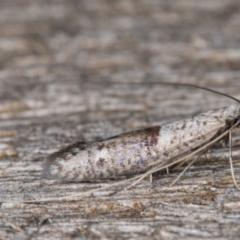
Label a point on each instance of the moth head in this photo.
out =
(233, 114)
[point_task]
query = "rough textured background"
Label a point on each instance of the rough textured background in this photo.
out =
(55, 56)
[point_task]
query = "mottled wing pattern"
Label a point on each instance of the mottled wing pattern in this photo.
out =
(134, 151)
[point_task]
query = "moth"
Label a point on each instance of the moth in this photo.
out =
(144, 151)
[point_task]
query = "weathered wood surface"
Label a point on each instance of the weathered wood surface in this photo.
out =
(54, 59)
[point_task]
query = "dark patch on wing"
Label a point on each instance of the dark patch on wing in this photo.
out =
(110, 145)
(166, 154)
(152, 135)
(100, 162)
(79, 145)
(147, 135)
(100, 146)
(60, 154)
(184, 125)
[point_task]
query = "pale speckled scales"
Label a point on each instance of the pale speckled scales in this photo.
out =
(138, 150)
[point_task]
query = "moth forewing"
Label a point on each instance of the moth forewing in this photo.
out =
(143, 175)
(138, 150)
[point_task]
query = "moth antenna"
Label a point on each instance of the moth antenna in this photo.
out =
(231, 162)
(203, 88)
(186, 85)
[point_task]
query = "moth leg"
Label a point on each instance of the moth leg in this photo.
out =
(226, 141)
(181, 163)
(206, 157)
(150, 178)
(188, 166)
(230, 160)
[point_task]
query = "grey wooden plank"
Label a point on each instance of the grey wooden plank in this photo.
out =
(55, 60)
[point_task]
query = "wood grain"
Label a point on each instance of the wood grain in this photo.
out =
(56, 61)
